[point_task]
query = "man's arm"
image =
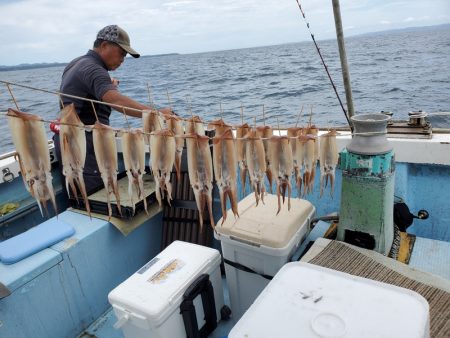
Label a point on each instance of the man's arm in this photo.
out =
(114, 97)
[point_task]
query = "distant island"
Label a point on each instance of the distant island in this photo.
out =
(407, 29)
(25, 66)
(388, 31)
(32, 66)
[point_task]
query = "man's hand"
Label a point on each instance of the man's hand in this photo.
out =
(115, 82)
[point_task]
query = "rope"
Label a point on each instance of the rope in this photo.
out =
(324, 65)
(118, 130)
(7, 83)
(118, 107)
(89, 127)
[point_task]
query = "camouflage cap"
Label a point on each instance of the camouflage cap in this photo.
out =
(114, 33)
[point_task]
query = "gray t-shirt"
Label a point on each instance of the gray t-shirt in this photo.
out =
(88, 77)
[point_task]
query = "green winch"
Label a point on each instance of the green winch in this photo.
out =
(367, 199)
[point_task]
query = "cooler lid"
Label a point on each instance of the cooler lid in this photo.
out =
(156, 289)
(261, 225)
(305, 300)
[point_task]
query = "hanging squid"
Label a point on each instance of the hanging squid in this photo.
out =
(256, 163)
(299, 160)
(282, 166)
(329, 158)
(30, 140)
(151, 121)
(194, 125)
(241, 131)
(265, 132)
(162, 145)
(224, 152)
(175, 124)
(292, 134)
(200, 173)
(309, 162)
(133, 147)
(73, 152)
(314, 131)
(219, 126)
(106, 155)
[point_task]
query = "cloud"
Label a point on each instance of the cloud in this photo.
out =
(51, 30)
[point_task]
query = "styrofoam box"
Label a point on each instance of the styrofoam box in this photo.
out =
(262, 241)
(305, 300)
(147, 304)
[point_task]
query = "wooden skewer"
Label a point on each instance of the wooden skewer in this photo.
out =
(150, 98)
(188, 98)
(221, 111)
(242, 114)
(126, 119)
(298, 116)
(61, 101)
(264, 116)
(168, 99)
(95, 112)
(12, 95)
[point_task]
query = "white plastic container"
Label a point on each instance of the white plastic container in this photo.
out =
(147, 304)
(261, 241)
(305, 300)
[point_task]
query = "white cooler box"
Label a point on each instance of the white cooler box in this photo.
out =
(262, 242)
(305, 300)
(147, 304)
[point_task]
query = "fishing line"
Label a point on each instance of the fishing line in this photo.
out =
(324, 65)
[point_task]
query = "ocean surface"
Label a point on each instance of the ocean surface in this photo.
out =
(394, 71)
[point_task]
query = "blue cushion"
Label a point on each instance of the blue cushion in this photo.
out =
(37, 238)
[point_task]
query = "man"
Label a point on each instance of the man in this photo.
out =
(87, 76)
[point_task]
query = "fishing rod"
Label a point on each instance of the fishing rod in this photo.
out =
(324, 65)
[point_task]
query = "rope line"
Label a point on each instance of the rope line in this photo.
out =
(89, 128)
(118, 107)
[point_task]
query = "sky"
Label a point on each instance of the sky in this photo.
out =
(57, 31)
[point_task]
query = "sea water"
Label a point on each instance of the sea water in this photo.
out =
(397, 71)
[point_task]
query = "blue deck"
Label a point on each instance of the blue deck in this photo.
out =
(62, 290)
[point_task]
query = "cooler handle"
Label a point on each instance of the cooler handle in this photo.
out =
(201, 286)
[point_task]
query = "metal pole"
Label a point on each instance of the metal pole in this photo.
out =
(343, 57)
